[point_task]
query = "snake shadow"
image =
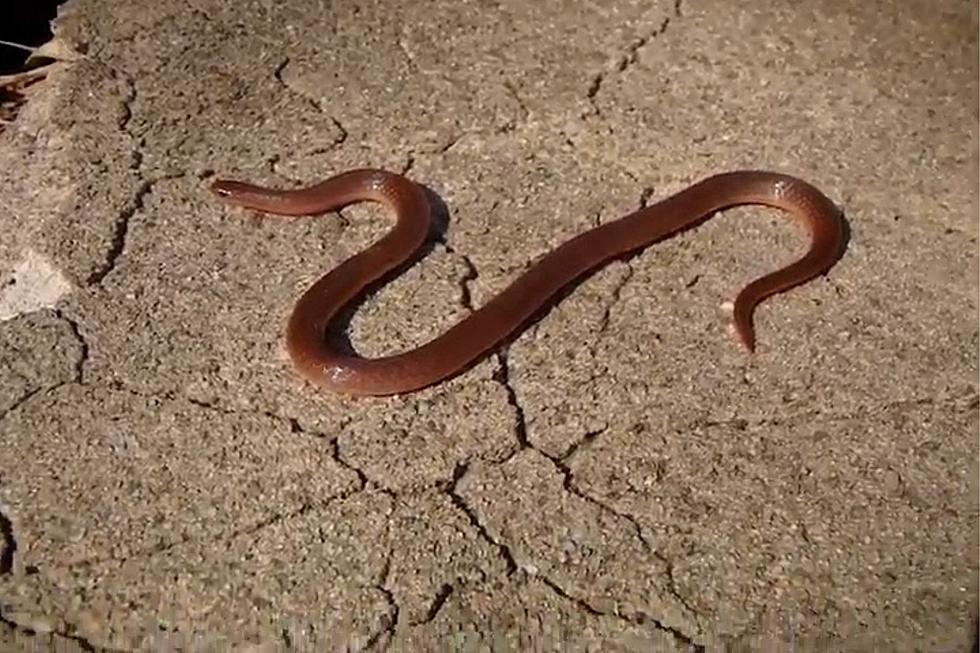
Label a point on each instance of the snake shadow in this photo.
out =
(338, 333)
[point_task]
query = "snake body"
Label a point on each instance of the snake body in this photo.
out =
(475, 335)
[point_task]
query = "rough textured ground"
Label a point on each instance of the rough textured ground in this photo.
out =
(622, 475)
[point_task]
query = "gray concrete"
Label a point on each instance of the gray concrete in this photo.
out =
(622, 474)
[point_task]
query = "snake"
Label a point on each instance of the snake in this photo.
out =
(472, 338)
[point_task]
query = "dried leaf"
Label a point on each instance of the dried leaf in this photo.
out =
(17, 82)
(55, 49)
(16, 87)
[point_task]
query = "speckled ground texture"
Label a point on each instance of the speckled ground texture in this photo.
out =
(622, 476)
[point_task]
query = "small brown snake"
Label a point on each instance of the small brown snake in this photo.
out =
(475, 335)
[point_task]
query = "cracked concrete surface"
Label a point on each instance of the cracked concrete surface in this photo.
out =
(619, 477)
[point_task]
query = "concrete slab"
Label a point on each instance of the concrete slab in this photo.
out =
(622, 476)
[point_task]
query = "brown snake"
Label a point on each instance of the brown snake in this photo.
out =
(475, 335)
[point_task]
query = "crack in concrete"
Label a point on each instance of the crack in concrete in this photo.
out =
(363, 481)
(581, 444)
(82, 643)
(9, 541)
(457, 500)
(272, 161)
(340, 140)
(407, 53)
(614, 299)
(568, 484)
(279, 517)
(471, 274)
(502, 376)
(629, 56)
(594, 85)
(672, 583)
(79, 368)
(645, 194)
(442, 595)
(127, 106)
(277, 75)
(389, 621)
(83, 345)
(120, 227)
(525, 112)
(286, 639)
(409, 164)
(560, 591)
(362, 478)
(291, 422)
(218, 538)
(120, 230)
(343, 133)
(965, 403)
(638, 618)
(450, 143)
(27, 396)
(294, 427)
